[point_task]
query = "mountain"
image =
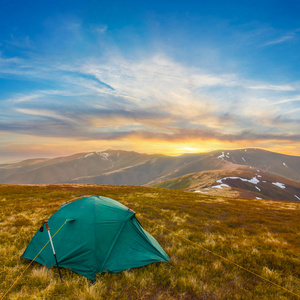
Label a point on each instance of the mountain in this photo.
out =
(283, 165)
(68, 168)
(238, 184)
(132, 168)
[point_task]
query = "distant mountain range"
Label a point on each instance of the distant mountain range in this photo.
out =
(132, 168)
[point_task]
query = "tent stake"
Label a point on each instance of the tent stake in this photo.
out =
(48, 229)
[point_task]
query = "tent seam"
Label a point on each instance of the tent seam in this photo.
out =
(95, 256)
(113, 244)
(143, 235)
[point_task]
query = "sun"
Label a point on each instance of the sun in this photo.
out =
(189, 149)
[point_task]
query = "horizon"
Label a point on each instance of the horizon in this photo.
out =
(162, 78)
(145, 153)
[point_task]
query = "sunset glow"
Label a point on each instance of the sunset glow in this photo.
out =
(171, 78)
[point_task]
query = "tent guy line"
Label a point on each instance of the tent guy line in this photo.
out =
(18, 278)
(224, 258)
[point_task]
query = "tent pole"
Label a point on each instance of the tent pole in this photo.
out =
(48, 229)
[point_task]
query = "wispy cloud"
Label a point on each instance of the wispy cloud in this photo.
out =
(43, 113)
(99, 29)
(294, 99)
(291, 35)
(293, 111)
(23, 42)
(280, 40)
(272, 87)
(40, 94)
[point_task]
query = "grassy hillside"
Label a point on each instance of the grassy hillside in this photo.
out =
(262, 236)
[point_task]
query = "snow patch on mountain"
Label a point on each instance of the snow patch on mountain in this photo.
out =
(253, 180)
(220, 186)
(223, 155)
(88, 155)
(279, 184)
(104, 155)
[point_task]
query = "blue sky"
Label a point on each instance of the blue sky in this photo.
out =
(170, 77)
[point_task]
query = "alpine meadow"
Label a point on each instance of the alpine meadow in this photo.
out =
(149, 150)
(261, 236)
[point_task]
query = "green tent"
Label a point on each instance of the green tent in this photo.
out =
(100, 235)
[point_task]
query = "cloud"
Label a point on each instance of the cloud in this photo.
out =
(289, 100)
(293, 111)
(22, 42)
(99, 29)
(148, 98)
(280, 40)
(24, 98)
(43, 113)
(282, 120)
(272, 87)
(39, 94)
(62, 127)
(188, 134)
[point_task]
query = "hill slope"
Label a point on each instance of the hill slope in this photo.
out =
(237, 184)
(283, 165)
(261, 236)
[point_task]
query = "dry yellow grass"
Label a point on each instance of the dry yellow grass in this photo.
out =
(262, 236)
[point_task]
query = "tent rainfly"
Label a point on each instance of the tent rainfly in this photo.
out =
(100, 235)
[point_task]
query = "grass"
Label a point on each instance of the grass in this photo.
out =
(262, 236)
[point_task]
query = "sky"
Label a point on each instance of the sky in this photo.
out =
(166, 77)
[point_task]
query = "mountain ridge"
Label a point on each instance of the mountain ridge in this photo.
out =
(132, 168)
